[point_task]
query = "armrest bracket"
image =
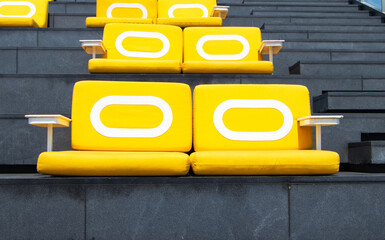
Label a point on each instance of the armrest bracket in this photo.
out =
(49, 121)
(270, 47)
(93, 47)
(220, 11)
(318, 121)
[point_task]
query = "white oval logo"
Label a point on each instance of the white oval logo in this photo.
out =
(126, 5)
(160, 36)
(239, 56)
(180, 6)
(131, 132)
(19, 3)
(253, 136)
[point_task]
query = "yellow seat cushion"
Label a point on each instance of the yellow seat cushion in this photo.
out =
(191, 21)
(258, 67)
(289, 162)
(133, 66)
(18, 22)
(131, 116)
(223, 50)
(250, 117)
(99, 22)
(123, 11)
(28, 13)
(99, 163)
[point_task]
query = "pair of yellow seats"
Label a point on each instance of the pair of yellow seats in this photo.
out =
(183, 13)
(145, 48)
(23, 13)
(146, 129)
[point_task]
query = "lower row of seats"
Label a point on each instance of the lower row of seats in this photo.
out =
(148, 129)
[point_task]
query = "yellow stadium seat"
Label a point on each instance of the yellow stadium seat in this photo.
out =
(191, 13)
(136, 48)
(122, 129)
(123, 11)
(227, 50)
(23, 13)
(257, 130)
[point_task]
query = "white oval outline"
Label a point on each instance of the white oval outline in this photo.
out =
(236, 37)
(160, 36)
(179, 6)
(19, 3)
(131, 132)
(253, 136)
(126, 5)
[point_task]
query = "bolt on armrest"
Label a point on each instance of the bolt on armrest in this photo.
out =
(220, 11)
(318, 121)
(49, 121)
(270, 47)
(93, 47)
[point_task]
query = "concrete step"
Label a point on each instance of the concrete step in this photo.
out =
(43, 60)
(368, 152)
(22, 94)
(259, 21)
(348, 44)
(315, 14)
(193, 207)
(339, 68)
(46, 37)
(88, 8)
(349, 102)
(318, 8)
(325, 35)
(325, 27)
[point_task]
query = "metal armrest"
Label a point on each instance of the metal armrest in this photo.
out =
(49, 121)
(270, 47)
(220, 11)
(93, 47)
(318, 121)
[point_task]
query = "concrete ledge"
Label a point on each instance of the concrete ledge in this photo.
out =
(341, 206)
(369, 152)
(350, 102)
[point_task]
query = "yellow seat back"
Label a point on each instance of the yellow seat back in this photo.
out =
(131, 116)
(143, 42)
(127, 8)
(250, 117)
(16, 9)
(185, 8)
(222, 44)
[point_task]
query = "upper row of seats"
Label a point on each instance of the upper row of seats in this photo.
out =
(183, 13)
(34, 13)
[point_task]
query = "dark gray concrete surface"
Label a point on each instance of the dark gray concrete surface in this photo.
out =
(342, 206)
(369, 152)
(337, 211)
(350, 102)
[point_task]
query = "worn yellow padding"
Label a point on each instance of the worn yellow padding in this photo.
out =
(12, 15)
(191, 21)
(133, 66)
(131, 116)
(258, 67)
(99, 22)
(208, 97)
(290, 162)
(99, 163)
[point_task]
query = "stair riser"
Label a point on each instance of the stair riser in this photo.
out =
(342, 69)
